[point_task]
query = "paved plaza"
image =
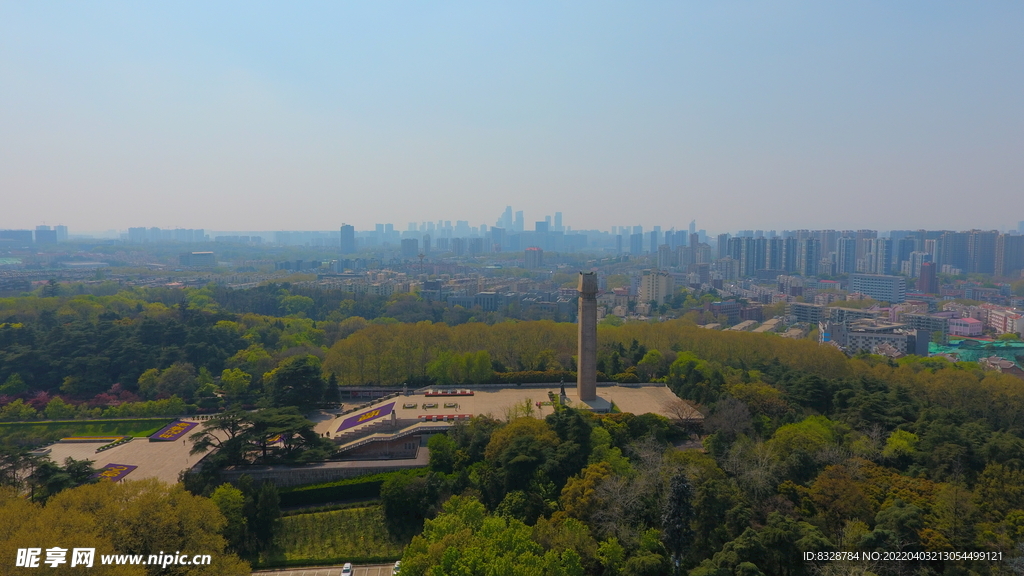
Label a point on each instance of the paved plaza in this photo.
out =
(498, 402)
(163, 460)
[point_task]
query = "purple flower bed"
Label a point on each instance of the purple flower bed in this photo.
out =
(114, 472)
(173, 431)
(353, 421)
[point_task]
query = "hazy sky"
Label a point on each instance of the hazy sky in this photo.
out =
(304, 115)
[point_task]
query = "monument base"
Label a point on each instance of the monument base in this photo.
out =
(598, 405)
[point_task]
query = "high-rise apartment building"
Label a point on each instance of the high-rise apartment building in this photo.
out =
(912, 267)
(809, 255)
(533, 257)
(952, 250)
(636, 244)
(498, 239)
(928, 281)
(902, 249)
(862, 237)
(667, 257)
(723, 245)
(1009, 256)
(846, 255)
(348, 239)
(44, 235)
(748, 256)
(881, 256)
(410, 247)
(655, 286)
(981, 251)
(774, 254)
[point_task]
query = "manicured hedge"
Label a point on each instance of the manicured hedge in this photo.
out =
(347, 489)
(30, 433)
(539, 377)
(325, 561)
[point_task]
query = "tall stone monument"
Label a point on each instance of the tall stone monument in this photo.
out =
(586, 358)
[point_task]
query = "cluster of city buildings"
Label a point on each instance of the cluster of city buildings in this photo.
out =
(41, 236)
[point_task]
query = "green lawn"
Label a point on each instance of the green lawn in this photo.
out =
(338, 536)
(32, 433)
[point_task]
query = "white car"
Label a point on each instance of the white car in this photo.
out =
(346, 570)
(397, 568)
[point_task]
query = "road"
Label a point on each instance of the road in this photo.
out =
(357, 570)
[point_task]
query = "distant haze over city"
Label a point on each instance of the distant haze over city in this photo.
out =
(300, 117)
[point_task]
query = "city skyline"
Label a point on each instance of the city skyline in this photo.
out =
(270, 117)
(509, 221)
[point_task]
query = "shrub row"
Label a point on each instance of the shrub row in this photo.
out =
(330, 507)
(300, 562)
(539, 377)
(360, 487)
(115, 443)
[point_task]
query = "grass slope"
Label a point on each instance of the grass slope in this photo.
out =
(42, 432)
(354, 534)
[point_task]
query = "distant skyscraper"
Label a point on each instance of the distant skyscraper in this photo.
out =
(810, 254)
(1009, 256)
(636, 244)
(45, 236)
(520, 223)
(723, 245)
(748, 256)
(693, 226)
(902, 250)
(846, 255)
(928, 281)
(952, 250)
(666, 257)
(410, 247)
(558, 222)
(533, 257)
(62, 233)
(773, 256)
(506, 219)
(497, 239)
(862, 237)
(348, 239)
(981, 251)
(912, 267)
(881, 255)
(1020, 227)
